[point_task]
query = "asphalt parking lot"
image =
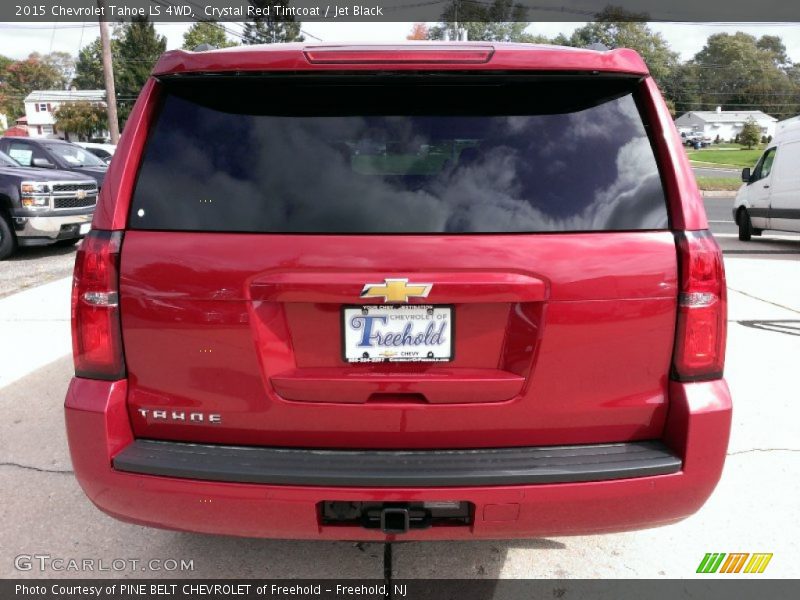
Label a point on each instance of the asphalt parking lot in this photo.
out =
(754, 508)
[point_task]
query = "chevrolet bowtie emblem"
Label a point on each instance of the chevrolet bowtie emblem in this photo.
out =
(396, 290)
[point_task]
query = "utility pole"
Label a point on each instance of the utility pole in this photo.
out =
(108, 73)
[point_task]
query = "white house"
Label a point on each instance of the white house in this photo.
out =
(41, 105)
(726, 124)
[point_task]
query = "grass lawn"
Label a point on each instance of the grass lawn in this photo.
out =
(718, 184)
(734, 158)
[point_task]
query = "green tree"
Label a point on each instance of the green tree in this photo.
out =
(271, 29)
(5, 62)
(500, 21)
(750, 134)
(81, 118)
(206, 32)
(89, 66)
(774, 45)
(740, 72)
(680, 87)
(138, 50)
(616, 28)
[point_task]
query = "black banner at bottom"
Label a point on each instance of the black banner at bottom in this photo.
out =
(414, 589)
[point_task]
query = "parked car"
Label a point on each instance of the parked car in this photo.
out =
(102, 151)
(515, 337)
(54, 154)
(696, 140)
(770, 196)
(39, 207)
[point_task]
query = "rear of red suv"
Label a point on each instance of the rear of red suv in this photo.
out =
(436, 291)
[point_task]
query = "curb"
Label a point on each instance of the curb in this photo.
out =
(719, 194)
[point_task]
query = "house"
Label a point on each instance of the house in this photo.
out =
(41, 105)
(726, 124)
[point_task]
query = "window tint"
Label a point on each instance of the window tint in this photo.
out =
(75, 156)
(354, 159)
(25, 153)
(7, 161)
(764, 166)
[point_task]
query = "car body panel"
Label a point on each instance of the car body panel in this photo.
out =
(697, 429)
(213, 337)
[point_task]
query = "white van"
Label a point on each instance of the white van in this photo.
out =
(770, 196)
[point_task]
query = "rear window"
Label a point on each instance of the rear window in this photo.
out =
(424, 155)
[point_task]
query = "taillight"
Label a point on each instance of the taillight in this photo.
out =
(702, 308)
(96, 332)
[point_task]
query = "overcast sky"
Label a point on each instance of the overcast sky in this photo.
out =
(17, 40)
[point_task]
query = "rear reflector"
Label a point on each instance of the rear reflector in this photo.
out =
(702, 308)
(96, 334)
(428, 54)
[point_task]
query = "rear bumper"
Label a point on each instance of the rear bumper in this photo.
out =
(697, 431)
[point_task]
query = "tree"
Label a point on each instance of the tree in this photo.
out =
(500, 21)
(272, 29)
(616, 28)
(64, 64)
(774, 45)
(138, 50)
(23, 77)
(419, 31)
(5, 62)
(750, 134)
(89, 66)
(741, 72)
(81, 118)
(206, 32)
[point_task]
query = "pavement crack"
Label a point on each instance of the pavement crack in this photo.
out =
(750, 450)
(794, 310)
(38, 469)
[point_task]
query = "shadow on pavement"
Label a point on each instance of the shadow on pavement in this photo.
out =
(37, 252)
(785, 326)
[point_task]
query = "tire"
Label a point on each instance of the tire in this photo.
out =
(8, 241)
(745, 226)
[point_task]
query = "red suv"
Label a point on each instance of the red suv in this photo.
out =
(431, 291)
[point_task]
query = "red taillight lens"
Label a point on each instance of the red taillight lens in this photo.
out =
(96, 332)
(702, 308)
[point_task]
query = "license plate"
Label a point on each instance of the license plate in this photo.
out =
(84, 228)
(397, 333)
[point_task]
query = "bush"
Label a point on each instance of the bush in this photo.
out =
(750, 134)
(717, 140)
(736, 139)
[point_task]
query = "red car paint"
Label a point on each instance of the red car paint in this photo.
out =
(247, 326)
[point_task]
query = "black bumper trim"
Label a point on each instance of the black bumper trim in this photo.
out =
(397, 468)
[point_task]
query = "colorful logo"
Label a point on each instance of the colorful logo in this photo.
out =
(737, 562)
